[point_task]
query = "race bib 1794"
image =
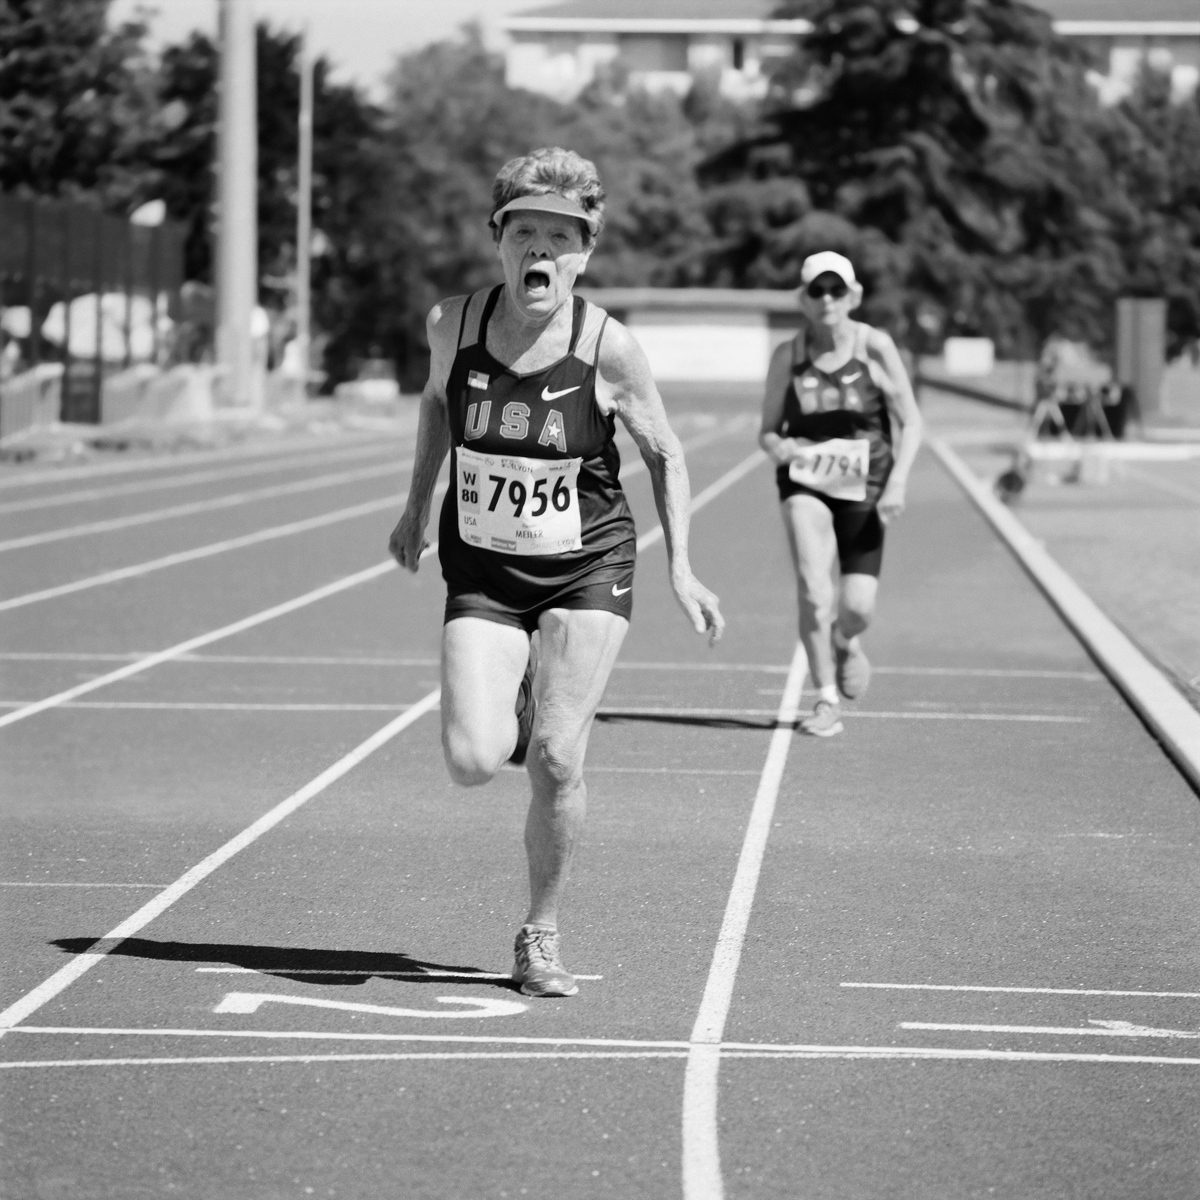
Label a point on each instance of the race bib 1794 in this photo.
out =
(518, 505)
(838, 468)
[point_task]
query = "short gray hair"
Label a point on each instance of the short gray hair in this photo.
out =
(546, 171)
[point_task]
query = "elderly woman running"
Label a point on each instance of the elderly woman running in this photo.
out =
(536, 540)
(834, 394)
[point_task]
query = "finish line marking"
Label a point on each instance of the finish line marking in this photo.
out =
(81, 964)
(701, 1148)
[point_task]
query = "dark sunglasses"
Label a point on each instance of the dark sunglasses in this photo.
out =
(818, 291)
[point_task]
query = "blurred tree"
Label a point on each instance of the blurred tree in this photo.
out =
(72, 99)
(955, 150)
(452, 122)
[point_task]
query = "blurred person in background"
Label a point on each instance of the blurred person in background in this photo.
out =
(835, 395)
(536, 540)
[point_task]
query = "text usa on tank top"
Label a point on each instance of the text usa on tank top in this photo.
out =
(535, 474)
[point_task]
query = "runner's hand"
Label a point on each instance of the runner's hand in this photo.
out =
(702, 606)
(787, 449)
(407, 542)
(891, 503)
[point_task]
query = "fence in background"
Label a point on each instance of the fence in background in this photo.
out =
(115, 281)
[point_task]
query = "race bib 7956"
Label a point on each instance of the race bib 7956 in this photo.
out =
(518, 505)
(838, 468)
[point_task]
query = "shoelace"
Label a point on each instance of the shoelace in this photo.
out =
(535, 945)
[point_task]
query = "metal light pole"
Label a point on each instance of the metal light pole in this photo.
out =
(304, 212)
(237, 203)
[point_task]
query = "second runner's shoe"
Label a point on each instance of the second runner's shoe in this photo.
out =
(538, 967)
(824, 721)
(853, 670)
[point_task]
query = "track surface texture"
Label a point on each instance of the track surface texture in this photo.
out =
(969, 965)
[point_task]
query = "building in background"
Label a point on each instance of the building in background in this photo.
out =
(558, 48)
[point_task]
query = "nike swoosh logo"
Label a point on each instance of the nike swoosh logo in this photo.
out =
(547, 394)
(851, 378)
(621, 591)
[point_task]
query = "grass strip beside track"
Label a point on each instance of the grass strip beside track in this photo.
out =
(701, 1147)
(81, 964)
(1172, 720)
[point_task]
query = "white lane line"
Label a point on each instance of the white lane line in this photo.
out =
(225, 631)
(1173, 721)
(86, 885)
(701, 1148)
(190, 478)
(848, 1053)
(65, 976)
(212, 504)
(946, 1054)
(726, 1049)
(203, 639)
(285, 660)
(185, 556)
(1165, 485)
(700, 499)
(318, 660)
(279, 531)
(666, 771)
(1022, 991)
(172, 462)
(485, 976)
(211, 706)
(475, 1039)
(412, 1056)
(1099, 1029)
(611, 713)
(615, 712)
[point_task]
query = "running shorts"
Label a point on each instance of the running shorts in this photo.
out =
(606, 585)
(858, 530)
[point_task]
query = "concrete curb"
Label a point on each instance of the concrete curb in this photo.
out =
(1167, 714)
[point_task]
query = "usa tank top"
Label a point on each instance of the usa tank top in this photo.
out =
(827, 406)
(535, 493)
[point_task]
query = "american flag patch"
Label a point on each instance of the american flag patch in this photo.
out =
(477, 379)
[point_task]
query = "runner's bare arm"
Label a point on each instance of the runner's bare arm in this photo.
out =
(903, 410)
(781, 449)
(625, 386)
(433, 434)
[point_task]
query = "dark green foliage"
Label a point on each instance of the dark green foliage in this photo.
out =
(70, 100)
(955, 150)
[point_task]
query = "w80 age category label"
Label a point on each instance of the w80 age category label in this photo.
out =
(518, 505)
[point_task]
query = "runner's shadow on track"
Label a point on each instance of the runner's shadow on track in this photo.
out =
(331, 968)
(615, 715)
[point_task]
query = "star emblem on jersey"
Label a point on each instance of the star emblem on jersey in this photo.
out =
(547, 394)
(616, 591)
(477, 379)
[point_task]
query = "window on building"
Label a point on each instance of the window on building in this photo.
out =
(654, 52)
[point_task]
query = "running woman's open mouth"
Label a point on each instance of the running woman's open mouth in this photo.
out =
(536, 281)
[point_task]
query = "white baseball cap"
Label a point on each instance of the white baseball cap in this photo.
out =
(827, 261)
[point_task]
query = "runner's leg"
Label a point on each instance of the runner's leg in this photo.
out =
(809, 525)
(856, 604)
(482, 665)
(577, 650)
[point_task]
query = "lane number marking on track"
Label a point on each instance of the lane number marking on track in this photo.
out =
(251, 1002)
